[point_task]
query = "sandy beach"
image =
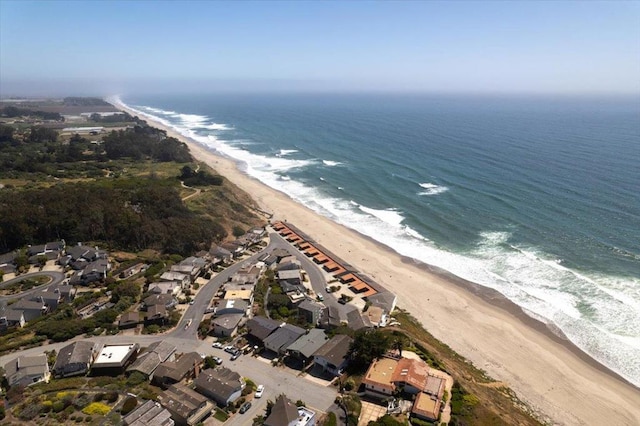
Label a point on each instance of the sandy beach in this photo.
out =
(551, 375)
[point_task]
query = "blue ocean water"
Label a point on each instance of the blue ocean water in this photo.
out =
(536, 197)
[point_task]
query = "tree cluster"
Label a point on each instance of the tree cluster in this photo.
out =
(14, 112)
(82, 101)
(145, 142)
(200, 178)
(114, 118)
(129, 214)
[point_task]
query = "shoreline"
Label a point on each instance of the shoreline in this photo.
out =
(551, 374)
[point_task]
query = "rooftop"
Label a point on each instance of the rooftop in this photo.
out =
(115, 354)
(426, 406)
(380, 373)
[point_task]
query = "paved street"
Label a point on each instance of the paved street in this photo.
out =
(276, 380)
(56, 278)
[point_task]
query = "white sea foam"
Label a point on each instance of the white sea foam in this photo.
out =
(432, 189)
(598, 313)
(331, 163)
(285, 152)
(390, 216)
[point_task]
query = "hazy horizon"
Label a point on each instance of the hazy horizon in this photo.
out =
(97, 48)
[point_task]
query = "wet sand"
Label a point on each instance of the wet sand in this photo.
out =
(549, 373)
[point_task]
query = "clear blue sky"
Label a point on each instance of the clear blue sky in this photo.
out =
(542, 46)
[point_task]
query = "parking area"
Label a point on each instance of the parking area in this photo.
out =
(318, 395)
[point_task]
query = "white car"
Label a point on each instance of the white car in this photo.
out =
(217, 345)
(259, 391)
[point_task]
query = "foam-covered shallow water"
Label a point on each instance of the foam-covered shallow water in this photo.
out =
(536, 198)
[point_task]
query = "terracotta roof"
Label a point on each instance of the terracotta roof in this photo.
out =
(411, 371)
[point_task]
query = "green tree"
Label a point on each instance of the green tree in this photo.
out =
(367, 346)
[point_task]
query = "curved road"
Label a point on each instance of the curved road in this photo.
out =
(318, 395)
(56, 278)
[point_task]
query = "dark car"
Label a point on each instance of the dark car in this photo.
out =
(245, 407)
(235, 356)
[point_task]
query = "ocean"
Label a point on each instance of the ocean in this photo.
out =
(536, 197)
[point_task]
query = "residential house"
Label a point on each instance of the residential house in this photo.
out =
(170, 372)
(375, 316)
(150, 413)
(156, 314)
(31, 309)
(160, 299)
(279, 340)
(67, 292)
(248, 275)
(27, 370)
(426, 407)
(134, 270)
(183, 279)
(51, 299)
(235, 249)
(10, 317)
(114, 358)
(226, 325)
(51, 251)
(378, 381)
(220, 255)
(95, 271)
(307, 345)
(261, 327)
(285, 413)
(129, 320)
(355, 321)
(75, 359)
(288, 263)
(292, 276)
(149, 360)
(330, 318)
(222, 385)
(310, 311)
(385, 300)
(411, 375)
(231, 306)
(333, 356)
(244, 293)
(186, 406)
(7, 262)
(166, 287)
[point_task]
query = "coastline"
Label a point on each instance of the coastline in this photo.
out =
(553, 376)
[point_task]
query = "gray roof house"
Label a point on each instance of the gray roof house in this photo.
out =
(75, 359)
(310, 311)
(232, 306)
(150, 413)
(293, 276)
(285, 413)
(385, 300)
(308, 344)
(226, 325)
(187, 407)
(160, 299)
(31, 309)
(262, 327)
(170, 372)
(27, 370)
(222, 385)
(148, 361)
(333, 355)
(279, 340)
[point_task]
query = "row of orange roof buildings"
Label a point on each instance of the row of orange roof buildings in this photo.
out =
(329, 262)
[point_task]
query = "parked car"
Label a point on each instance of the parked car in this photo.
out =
(320, 297)
(217, 359)
(259, 391)
(235, 356)
(217, 345)
(229, 349)
(245, 407)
